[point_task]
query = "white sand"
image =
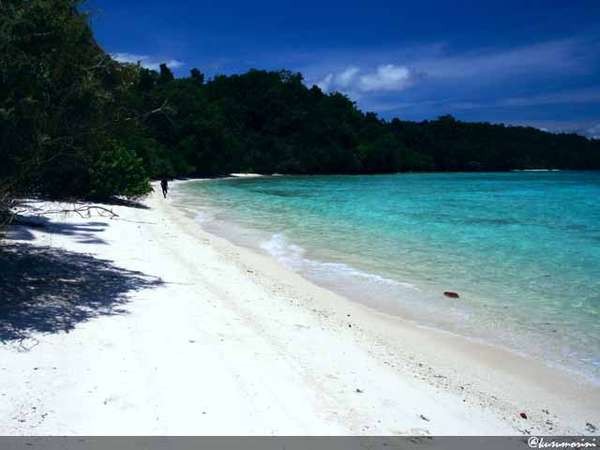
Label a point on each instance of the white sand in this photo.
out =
(246, 175)
(233, 344)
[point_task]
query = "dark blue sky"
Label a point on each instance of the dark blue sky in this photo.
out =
(518, 62)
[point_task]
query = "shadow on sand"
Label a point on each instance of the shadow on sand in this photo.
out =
(50, 290)
(84, 233)
(126, 202)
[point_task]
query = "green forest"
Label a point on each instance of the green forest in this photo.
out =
(74, 123)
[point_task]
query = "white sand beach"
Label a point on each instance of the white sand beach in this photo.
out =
(182, 333)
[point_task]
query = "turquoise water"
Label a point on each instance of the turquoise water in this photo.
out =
(522, 249)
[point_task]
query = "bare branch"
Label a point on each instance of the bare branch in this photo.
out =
(83, 211)
(164, 109)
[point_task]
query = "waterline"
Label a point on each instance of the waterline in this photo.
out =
(522, 249)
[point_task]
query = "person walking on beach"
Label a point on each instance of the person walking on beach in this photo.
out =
(164, 184)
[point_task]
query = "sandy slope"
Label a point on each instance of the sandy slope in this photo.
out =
(231, 343)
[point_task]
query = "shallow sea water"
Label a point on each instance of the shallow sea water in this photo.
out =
(522, 249)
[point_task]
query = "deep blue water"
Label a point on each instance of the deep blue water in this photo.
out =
(522, 249)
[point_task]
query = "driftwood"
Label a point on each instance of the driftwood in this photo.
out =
(83, 211)
(26, 215)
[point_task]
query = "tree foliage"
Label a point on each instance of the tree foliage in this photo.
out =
(62, 108)
(272, 122)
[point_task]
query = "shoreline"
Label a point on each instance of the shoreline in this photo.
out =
(256, 240)
(485, 356)
(338, 366)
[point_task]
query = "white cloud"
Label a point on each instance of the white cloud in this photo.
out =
(342, 80)
(149, 62)
(389, 70)
(326, 83)
(567, 56)
(345, 78)
(593, 132)
(387, 77)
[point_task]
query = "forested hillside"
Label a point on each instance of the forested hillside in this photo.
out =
(75, 123)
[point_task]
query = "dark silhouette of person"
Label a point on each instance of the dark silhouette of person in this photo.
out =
(164, 184)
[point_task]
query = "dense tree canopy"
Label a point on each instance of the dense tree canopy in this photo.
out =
(62, 106)
(272, 122)
(75, 123)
